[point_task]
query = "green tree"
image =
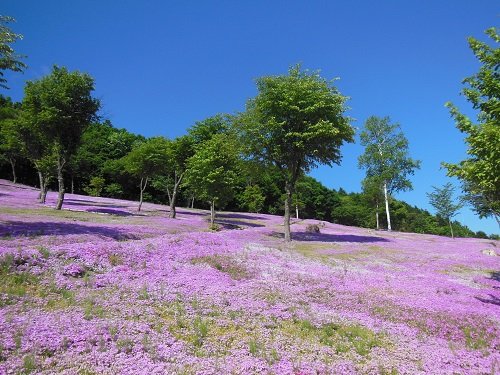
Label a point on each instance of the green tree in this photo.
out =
(386, 157)
(213, 172)
(9, 60)
(373, 194)
(179, 151)
(442, 200)
(252, 198)
(295, 123)
(60, 106)
(146, 161)
(204, 130)
(480, 173)
(10, 142)
(95, 186)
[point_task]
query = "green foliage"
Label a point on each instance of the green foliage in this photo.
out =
(213, 170)
(295, 123)
(200, 331)
(442, 200)
(252, 199)
(113, 190)
(9, 60)
(29, 364)
(204, 130)
(386, 154)
(95, 186)
(225, 264)
(148, 159)
(60, 106)
(56, 109)
(343, 337)
(11, 146)
(480, 172)
(386, 159)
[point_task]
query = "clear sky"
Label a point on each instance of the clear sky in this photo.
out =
(159, 66)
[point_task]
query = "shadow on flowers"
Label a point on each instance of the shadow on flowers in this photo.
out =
(33, 229)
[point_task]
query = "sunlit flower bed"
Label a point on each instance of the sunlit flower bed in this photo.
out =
(99, 288)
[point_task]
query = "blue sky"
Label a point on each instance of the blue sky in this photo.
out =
(159, 66)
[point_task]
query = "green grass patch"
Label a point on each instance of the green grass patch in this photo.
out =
(225, 264)
(15, 285)
(473, 330)
(342, 337)
(92, 310)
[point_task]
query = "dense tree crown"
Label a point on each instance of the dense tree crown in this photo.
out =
(480, 173)
(60, 107)
(295, 122)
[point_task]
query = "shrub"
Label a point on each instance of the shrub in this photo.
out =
(95, 186)
(312, 228)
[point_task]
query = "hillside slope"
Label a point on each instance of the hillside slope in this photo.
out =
(99, 288)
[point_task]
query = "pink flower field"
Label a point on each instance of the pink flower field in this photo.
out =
(99, 288)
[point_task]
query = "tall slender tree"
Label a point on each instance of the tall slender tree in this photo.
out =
(480, 173)
(60, 106)
(386, 157)
(442, 200)
(295, 122)
(373, 194)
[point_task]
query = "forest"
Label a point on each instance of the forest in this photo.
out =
(99, 168)
(255, 161)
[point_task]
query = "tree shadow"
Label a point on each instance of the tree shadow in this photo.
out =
(182, 212)
(495, 275)
(235, 215)
(82, 202)
(236, 224)
(110, 211)
(324, 237)
(34, 229)
(494, 300)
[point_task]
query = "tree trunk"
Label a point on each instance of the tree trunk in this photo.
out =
(40, 178)
(387, 208)
(451, 228)
(142, 188)
(60, 181)
(177, 182)
(192, 202)
(376, 218)
(288, 203)
(43, 190)
(72, 185)
(13, 165)
(297, 212)
(212, 213)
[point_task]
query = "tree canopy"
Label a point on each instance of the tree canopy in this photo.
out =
(60, 106)
(9, 59)
(442, 200)
(295, 123)
(480, 172)
(386, 157)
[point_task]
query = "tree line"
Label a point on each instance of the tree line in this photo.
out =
(256, 160)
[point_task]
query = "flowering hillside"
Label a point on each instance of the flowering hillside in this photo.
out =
(99, 288)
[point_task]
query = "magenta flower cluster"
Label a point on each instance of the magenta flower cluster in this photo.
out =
(101, 289)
